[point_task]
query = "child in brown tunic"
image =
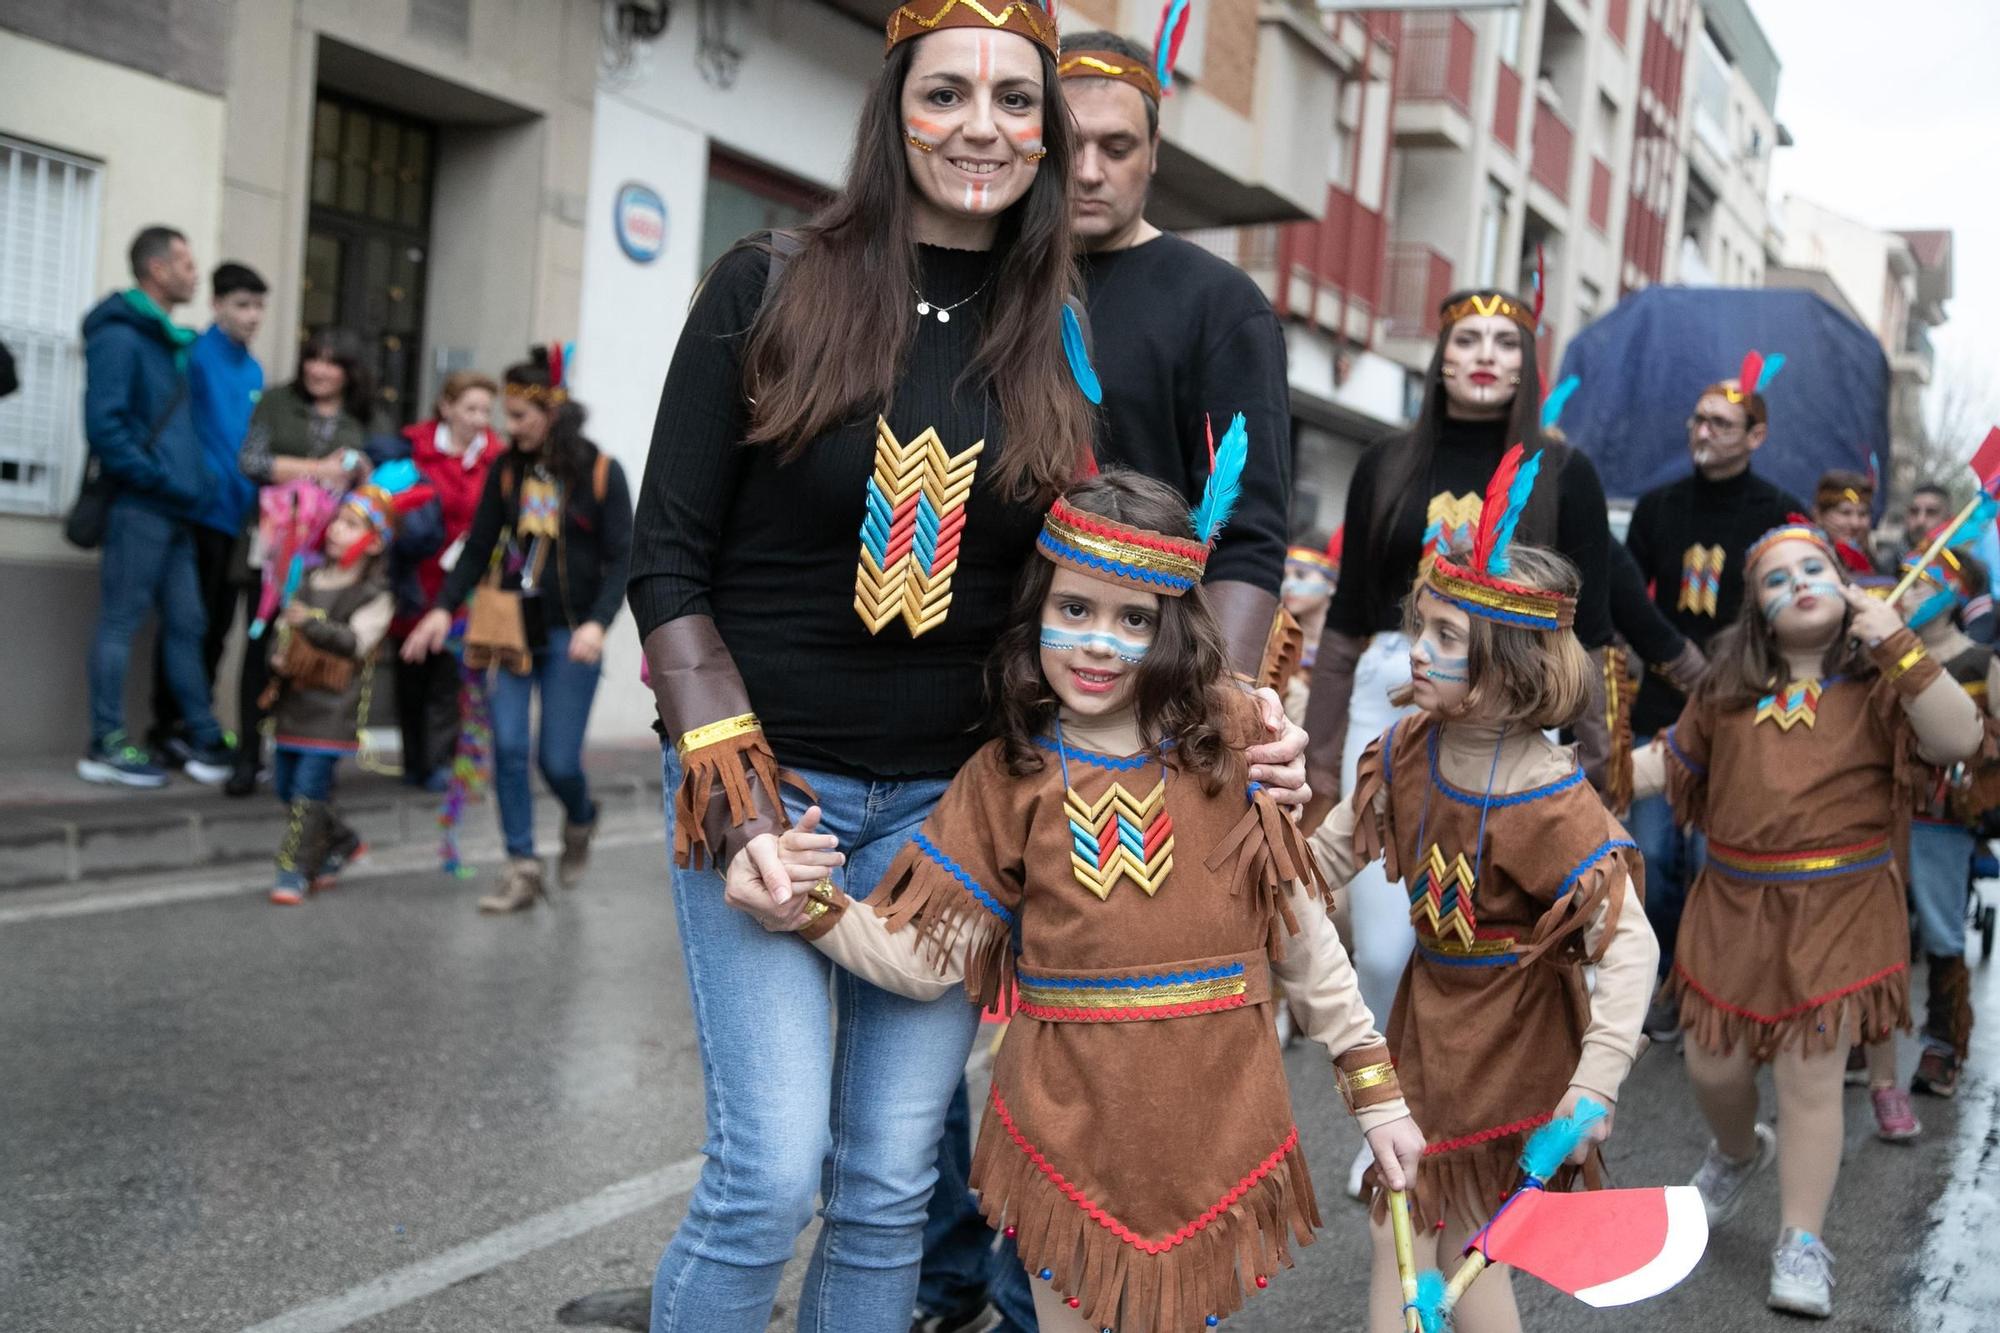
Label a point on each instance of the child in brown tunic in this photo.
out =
(1138, 1145)
(1518, 879)
(1798, 757)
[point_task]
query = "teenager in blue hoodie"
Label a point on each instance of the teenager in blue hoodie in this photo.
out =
(224, 383)
(140, 424)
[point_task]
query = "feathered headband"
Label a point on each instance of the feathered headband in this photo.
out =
(1149, 561)
(1480, 587)
(1096, 64)
(1796, 527)
(921, 17)
(1946, 574)
(1755, 375)
(390, 492)
(556, 391)
(1488, 303)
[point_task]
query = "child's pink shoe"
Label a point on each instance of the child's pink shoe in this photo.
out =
(286, 896)
(1895, 1120)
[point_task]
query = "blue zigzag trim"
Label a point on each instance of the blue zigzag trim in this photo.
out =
(1126, 983)
(967, 882)
(1124, 764)
(1610, 845)
(1699, 770)
(1496, 802)
(1119, 568)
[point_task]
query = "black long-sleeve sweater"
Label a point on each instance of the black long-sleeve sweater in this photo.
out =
(1652, 636)
(1380, 567)
(770, 548)
(1720, 517)
(586, 571)
(1182, 339)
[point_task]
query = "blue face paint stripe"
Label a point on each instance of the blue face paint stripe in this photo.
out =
(1065, 641)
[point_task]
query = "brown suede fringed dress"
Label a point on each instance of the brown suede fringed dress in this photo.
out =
(1799, 910)
(1489, 1019)
(1139, 1141)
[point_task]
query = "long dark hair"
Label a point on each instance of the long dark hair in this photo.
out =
(1404, 479)
(838, 326)
(343, 349)
(1176, 688)
(565, 452)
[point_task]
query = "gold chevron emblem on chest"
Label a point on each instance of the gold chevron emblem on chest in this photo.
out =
(1120, 836)
(911, 530)
(1441, 897)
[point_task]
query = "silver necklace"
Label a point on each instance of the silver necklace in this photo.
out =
(943, 312)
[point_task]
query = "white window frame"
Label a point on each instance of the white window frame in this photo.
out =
(41, 317)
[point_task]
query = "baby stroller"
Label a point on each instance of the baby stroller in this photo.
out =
(1979, 912)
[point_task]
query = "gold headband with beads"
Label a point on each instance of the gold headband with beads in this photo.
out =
(1795, 528)
(921, 17)
(542, 395)
(1489, 303)
(1095, 64)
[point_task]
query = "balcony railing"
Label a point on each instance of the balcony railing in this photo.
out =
(1434, 61)
(1507, 108)
(1553, 142)
(1419, 278)
(1252, 249)
(1600, 194)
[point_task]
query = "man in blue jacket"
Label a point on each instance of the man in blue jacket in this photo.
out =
(140, 424)
(224, 383)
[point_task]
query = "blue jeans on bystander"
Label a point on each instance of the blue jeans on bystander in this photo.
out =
(148, 566)
(848, 1112)
(567, 689)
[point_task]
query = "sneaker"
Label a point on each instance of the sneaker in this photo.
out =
(1857, 1066)
(1721, 1180)
(1359, 1168)
(242, 779)
(1895, 1120)
(210, 765)
(288, 892)
(1937, 1073)
(976, 1317)
(347, 848)
(1801, 1275)
(115, 761)
(1663, 1020)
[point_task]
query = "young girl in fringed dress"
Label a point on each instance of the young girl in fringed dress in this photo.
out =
(1138, 1145)
(1799, 756)
(1518, 879)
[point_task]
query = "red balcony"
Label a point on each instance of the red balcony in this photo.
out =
(1507, 108)
(1617, 18)
(1419, 278)
(1553, 142)
(1434, 61)
(1600, 195)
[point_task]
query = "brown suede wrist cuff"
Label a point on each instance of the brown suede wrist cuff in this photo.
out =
(1366, 1077)
(1905, 664)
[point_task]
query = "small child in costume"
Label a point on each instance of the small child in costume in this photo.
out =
(1799, 756)
(320, 665)
(1518, 879)
(1139, 1146)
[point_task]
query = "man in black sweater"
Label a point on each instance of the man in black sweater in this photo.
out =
(1181, 340)
(1688, 538)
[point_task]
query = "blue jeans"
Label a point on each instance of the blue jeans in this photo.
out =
(961, 1264)
(1673, 858)
(1940, 878)
(567, 689)
(148, 565)
(849, 1111)
(303, 773)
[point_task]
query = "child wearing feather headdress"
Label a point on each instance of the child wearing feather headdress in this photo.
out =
(1518, 879)
(321, 660)
(1799, 756)
(1104, 870)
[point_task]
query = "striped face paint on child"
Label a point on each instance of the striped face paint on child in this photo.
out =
(1069, 641)
(1441, 667)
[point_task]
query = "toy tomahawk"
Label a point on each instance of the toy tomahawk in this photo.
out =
(1605, 1247)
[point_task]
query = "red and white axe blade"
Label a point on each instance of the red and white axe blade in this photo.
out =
(1605, 1247)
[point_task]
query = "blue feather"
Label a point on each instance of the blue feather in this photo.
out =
(1432, 1316)
(1225, 481)
(1510, 518)
(1163, 63)
(1079, 357)
(1552, 1144)
(1772, 365)
(396, 476)
(1552, 406)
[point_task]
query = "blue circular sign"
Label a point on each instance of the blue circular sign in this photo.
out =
(639, 216)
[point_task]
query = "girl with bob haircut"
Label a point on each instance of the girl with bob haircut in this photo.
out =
(1801, 757)
(1517, 880)
(1159, 898)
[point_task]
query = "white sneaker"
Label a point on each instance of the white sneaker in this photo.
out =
(1801, 1275)
(1721, 1180)
(1362, 1161)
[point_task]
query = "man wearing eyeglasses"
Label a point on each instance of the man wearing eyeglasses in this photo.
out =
(1688, 538)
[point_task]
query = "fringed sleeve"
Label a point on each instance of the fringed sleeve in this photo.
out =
(733, 755)
(1283, 651)
(1265, 854)
(1374, 833)
(959, 882)
(1685, 749)
(1620, 690)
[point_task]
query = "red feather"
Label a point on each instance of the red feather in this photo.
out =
(1986, 463)
(555, 366)
(1541, 288)
(1495, 505)
(1753, 370)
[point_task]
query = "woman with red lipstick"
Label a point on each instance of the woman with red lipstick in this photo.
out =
(1413, 495)
(852, 457)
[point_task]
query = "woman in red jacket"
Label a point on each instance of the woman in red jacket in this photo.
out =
(454, 451)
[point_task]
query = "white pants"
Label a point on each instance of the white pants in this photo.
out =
(1378, 910)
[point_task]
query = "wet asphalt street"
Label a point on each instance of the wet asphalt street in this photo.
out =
(385, 1112)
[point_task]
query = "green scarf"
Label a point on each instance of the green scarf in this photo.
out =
(180, 338)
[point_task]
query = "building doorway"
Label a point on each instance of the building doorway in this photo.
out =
(368, 242)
